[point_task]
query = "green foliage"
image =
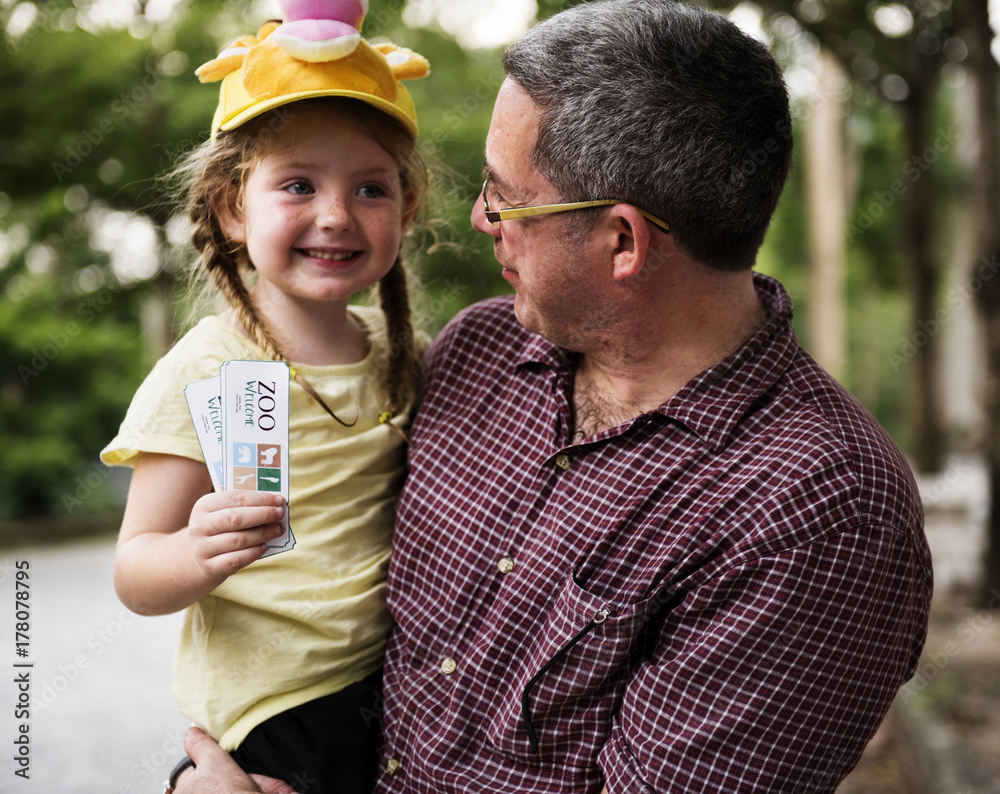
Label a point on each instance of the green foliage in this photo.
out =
(87, 121)
(69, 364)
(92, 117)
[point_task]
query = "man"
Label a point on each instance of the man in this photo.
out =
(646, 543)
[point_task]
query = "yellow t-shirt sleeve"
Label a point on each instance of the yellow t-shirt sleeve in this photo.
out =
(158, 420)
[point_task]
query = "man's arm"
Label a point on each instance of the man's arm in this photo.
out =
(774, 676)
(216, 773)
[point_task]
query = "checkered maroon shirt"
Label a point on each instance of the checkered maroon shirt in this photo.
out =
(722, 595)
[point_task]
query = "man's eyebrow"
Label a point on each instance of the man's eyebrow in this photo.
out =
(498, 182)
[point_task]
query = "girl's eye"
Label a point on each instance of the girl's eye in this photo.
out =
(371, 191)
(299, 188)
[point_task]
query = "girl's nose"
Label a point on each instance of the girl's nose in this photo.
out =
(335, 214)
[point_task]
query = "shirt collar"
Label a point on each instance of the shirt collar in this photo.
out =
(541, 352)
(712, 403)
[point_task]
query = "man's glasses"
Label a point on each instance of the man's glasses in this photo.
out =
(512, 213)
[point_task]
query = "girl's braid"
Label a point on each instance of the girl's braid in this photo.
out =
(401, 378)
(224, 265)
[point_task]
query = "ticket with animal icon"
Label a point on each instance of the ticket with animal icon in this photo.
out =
(241, 419)
(255, 432)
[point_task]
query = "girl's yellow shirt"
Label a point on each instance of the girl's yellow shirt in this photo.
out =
(305, 623)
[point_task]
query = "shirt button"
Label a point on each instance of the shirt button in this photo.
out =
(392, 767)
(506, 565)
(449, 666)
(563, 462)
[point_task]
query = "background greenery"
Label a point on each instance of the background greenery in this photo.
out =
(90, 257)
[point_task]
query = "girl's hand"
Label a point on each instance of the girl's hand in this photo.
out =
(229, 530)
(180, 540)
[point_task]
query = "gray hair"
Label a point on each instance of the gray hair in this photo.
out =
(665, 106)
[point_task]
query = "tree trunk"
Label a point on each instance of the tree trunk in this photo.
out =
(985, 270)
(826, 191)
(922, 256)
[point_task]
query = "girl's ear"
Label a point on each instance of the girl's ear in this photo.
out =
(227, 210)
(410, 209)
(408, 215)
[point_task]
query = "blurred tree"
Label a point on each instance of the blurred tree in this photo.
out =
(985, 267)
(62, 302)
(826, 176)
(95, 108)
(547, 8)
(901, 49)
(91, 107)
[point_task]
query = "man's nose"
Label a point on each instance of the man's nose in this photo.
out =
(478, 219)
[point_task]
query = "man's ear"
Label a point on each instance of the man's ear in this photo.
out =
(227, 210)
(631, 241)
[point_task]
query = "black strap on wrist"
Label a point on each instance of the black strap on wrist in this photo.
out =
(186, 763)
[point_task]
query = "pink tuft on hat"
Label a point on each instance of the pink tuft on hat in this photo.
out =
(318, 51)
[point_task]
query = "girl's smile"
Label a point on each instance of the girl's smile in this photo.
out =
(322, 213)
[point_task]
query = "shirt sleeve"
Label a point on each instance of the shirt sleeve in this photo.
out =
(774, 676)
(158, 420)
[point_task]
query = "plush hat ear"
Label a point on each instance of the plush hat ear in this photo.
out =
(405, 64)
(232, 57)
(259, 73)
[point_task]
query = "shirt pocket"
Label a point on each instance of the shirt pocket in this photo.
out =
(564, 687)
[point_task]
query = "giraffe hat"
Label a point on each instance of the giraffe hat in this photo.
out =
(317, 51)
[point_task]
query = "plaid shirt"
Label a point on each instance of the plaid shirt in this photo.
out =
(721, 595)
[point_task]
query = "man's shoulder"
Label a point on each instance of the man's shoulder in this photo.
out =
(818, 399)
(492, 315)
(829, 432)
(485, 330)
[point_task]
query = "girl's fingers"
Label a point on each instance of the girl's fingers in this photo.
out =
(241, 519)
(221, 500)
(236, 513)
(214, 545)
(229, 562)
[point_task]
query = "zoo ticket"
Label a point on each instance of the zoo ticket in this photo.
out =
(204, 399)
(241, 419)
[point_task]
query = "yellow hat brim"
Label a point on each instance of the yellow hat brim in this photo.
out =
(236, 106)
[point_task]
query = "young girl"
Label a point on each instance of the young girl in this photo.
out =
(300, 200)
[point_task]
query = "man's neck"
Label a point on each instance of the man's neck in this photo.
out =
(660, 346)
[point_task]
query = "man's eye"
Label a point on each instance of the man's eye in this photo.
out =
(371, 191)
(299, 188)
(494, 196)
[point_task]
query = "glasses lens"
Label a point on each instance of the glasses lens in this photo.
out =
(491, 216)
